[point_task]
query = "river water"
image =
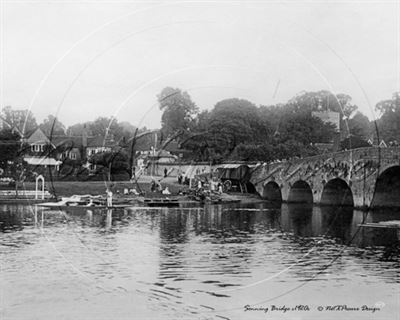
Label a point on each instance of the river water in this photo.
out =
(213, 262)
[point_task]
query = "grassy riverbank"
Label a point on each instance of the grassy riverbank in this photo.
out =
(69, 188)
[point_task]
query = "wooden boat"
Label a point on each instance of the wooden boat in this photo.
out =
(161, 202)
(221, 201)
(176, 202)
(214, 199)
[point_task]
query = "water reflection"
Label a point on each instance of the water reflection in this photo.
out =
(375, 237)
(310, 221)
(187, 261)
(14, 218)
(173, 226)
(108, 222)
(176, 225)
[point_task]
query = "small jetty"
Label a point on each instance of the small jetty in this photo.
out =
(184, 200)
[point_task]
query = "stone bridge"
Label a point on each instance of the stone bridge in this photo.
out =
(365, 177)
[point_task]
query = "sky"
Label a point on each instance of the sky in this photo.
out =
(83, 59)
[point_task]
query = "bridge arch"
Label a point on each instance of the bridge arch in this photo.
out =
(300, 192)
(337, 192)
(387, 188)
(272, 192)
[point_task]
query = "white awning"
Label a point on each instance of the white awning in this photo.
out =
(231, 166)
(35, 161)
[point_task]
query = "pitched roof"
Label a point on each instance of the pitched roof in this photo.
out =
(100, 141)
(38, 137)
(70, 141)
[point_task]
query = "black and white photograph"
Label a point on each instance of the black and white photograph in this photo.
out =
(199, 160)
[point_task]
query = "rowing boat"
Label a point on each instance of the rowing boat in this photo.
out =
(161, 202)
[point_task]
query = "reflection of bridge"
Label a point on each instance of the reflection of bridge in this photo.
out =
(365, 177)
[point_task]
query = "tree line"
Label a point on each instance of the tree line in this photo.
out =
(24, 123)
(237, 129)
(18, 124)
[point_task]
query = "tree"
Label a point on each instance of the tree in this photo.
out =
(292, 130)
(353, 142)
(232, 122)
(324, 100)
(252, 152)
(198, 140)
(114, 161)
(127, 129)
(23, 121)
(237, 129)
(359, 126)
(347, 108)
(17, 170)
(76, 129)
(389, 122)
(302, 127)
(10, 146)
(390, 105)
(215, 135)
(12, 152)
(178, 109)
(106, 127)
(51, 126)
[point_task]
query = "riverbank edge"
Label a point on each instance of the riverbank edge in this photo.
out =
(68, 188)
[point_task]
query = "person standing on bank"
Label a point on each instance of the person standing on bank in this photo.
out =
(109, 197)
(165, 172)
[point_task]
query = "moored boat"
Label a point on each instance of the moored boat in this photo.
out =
(161, 202)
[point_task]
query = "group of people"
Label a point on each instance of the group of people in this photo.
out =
(215, 186)
(131, 191)
(156, 186)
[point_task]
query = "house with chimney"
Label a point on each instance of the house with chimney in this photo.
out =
(42, 150)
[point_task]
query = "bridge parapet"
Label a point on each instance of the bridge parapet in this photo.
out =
(323, 178)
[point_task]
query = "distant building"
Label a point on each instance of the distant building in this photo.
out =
(98, 144)
(44, 150)
(373, 141)
(153, 159)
